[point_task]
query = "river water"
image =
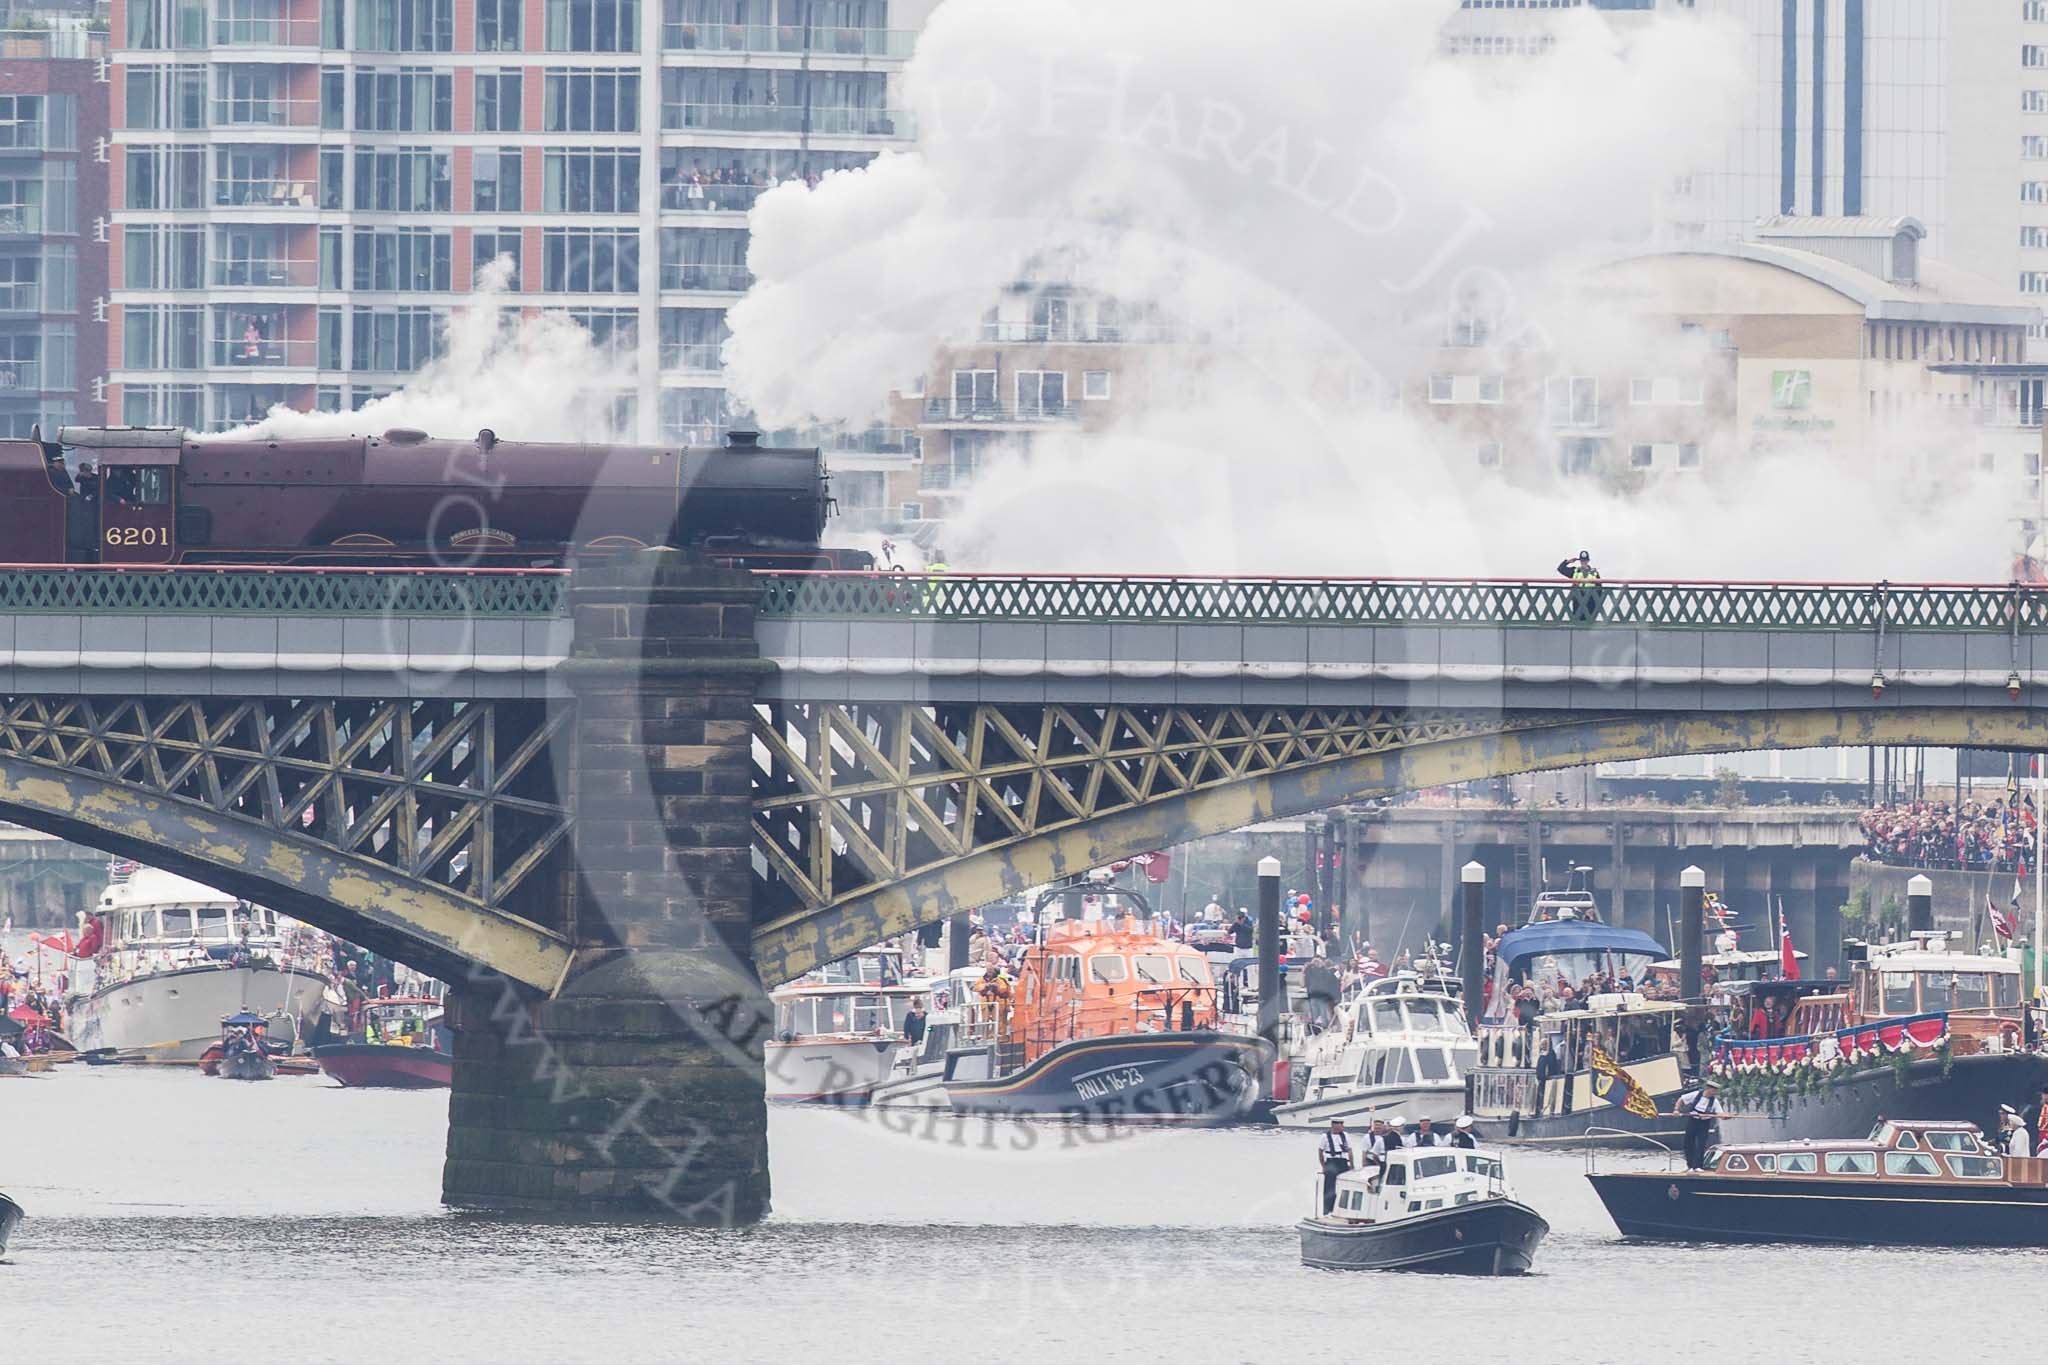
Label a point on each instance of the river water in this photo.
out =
(176, 1217)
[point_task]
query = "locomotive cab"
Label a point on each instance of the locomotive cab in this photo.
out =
(128, 491)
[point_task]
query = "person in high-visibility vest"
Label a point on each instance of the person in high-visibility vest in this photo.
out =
(1585, 585)
(934, 593)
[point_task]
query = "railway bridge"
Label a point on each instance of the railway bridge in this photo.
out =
(608, 805)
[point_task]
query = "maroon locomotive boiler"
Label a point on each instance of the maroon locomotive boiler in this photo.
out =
(130, 495)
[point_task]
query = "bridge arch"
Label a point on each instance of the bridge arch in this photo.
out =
(1435, 750)
(365, 901)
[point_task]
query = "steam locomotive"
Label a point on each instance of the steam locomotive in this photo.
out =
(145, 495)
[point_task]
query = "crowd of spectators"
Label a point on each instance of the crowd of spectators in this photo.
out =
(1978, 836)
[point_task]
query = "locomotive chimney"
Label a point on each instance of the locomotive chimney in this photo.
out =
(741, 439)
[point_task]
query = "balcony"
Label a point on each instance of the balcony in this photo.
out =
(782, 118)
(257, 353)
(732, 279)
(704, 198)
(789, 38)
(266, 32)
(873, 441)
(266, 273)
(971, 412)
(262, 194)
(21, 220)
(19, 297)
(1053, 333)
(20, 375)
(51, 44)
(691, 355)
(265, 112)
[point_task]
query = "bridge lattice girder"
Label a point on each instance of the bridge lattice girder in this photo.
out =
(873, 818)
(430, 829)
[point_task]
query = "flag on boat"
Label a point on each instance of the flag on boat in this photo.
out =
(1632, 1096)
(2004, 920)
(1788, 958)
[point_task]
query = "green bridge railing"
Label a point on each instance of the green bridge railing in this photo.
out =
(1401, 602)
(284, 591)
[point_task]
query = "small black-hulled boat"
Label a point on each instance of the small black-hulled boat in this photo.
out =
(10, 1218)
(1444, 1209)
(1910, 1183)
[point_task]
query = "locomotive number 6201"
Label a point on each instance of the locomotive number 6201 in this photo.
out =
(138, 535)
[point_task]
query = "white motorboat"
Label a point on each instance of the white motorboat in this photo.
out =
(171, 958)
(1443, 1209)
(1399, 1046)
(837, 1030)
(959, 1020)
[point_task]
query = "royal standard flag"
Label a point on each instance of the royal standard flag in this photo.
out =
(1634, 1098)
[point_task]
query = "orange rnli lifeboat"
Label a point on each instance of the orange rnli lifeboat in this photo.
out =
(1106, 1018)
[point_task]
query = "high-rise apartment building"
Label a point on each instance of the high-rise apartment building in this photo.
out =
(304, 189)
(53, 266)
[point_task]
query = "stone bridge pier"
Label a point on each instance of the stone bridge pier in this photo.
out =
(636, 1089)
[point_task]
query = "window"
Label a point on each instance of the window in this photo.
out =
(1574, 401)
(1642, 456)
(177, 923)
(591, 101)
(1952, 1142)
(2034, 191)
(497, 26)
(2034, 101)
(413, 99)
(1435, 1066)
(1937, 992)
(1152, 969)
(1852, 1163)
(495, 184)
(1734, 1161)
(403, 179)
(1976, 1167)
(590, 261)
(1908, 1142)
(1898, 993)
(160, 337)
(1488, 454)
(1094, 384)
(974, 393)
(1910, 1163)
(497, 101)
(405, 25)
(1766, 1162)
(1641, 390)
(1193, 970)
(592, 25)
(489, 246)
(1440, 388)
(2034, 281)
(1041, 393)
(400, 339)
(590, 180)
(2033, 147)
(1490, 388)
(162, 257)
(1688, 456)
(2033, 57)
(402, 259)
(1108, 969)
(1795, 1163)
(163, 178)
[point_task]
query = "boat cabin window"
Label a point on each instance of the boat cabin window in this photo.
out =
(1765, 1161)
(1108, 969)
(1907, 1141)
(872, 1013)
(1795, 1163)
(1952, 1142)
(1898, 993)
(1910, 1163)
(1386, 1016)
(1426, 1015)
(1428, 1167)
(1465, 1058)
(1735, 1161)
(1063, 967)
(2005, 989)
(1400, 1066)
(1852, 1163)
(176, 923)
(1972, 990)
(1937, 990)
(1193, 971)
(1397, 1173)
(1976, 1167)
(1482, 1165)
(1152, 969)
(1434, 1064)
(214, 925)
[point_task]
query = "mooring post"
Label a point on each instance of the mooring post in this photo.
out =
(1272, 995)
(1919, 904)
(1692, 911)
(1472, 937)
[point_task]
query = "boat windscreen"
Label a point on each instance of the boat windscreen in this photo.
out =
(1193, 970)
(1152, 969)
(1427, 1167)
(1386, 1016)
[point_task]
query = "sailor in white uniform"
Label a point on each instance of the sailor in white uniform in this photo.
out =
(1333, 1158)
(1701, 1110)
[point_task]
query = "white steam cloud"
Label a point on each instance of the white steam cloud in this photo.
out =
(1312, 191)
(539, 378)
